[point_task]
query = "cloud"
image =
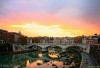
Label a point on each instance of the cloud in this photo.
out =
(93, 11)
(43, 30)
(89, 9)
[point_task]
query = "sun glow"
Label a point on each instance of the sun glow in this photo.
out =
(44, 30)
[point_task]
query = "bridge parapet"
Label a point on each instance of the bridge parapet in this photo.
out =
(54, 43)
(86, 47)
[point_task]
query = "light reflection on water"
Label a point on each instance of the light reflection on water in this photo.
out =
(33, 64)
(33, 60)
(40, 55)
(50, 64)
(41, 63)
(54, 55)
(29, 60)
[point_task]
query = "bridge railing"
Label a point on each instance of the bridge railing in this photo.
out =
(54, 43)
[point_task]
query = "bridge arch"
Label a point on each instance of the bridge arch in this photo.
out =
(58, 48)
(35, 47)
(78, 48)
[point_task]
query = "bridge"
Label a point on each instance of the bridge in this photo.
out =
(85, 47)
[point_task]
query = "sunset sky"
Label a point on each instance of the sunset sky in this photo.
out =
(51, 17)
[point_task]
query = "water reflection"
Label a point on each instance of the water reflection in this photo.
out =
(34, 64)
(40, 64)
(54, 55)
(32, 60)
(40, 55)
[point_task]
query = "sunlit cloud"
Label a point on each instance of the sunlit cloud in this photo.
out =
(35, 25)
(44, 30)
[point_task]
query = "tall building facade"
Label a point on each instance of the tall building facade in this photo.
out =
(95, 52)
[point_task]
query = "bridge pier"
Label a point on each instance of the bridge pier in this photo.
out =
(14, 48)
(63, 49)
(44, 49)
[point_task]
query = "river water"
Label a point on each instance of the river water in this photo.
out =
(33, 60)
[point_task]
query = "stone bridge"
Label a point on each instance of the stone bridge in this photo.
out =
(85, 47)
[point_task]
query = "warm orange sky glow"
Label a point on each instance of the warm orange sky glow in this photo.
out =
(50, 18)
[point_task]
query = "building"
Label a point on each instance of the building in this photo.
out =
(95, 52)
(78, 39)
(12, 37)
(95, 38)
(99, 39)
(29, 40)
(6, 37)
(2, 35)
(6, 47)
(16, 37)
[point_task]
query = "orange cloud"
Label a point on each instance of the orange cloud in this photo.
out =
(44, 30)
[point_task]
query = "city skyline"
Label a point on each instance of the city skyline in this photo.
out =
(51, 18)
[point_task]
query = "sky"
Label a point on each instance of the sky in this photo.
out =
(57, 18)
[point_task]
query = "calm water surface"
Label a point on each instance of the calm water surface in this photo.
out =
(32, 60)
